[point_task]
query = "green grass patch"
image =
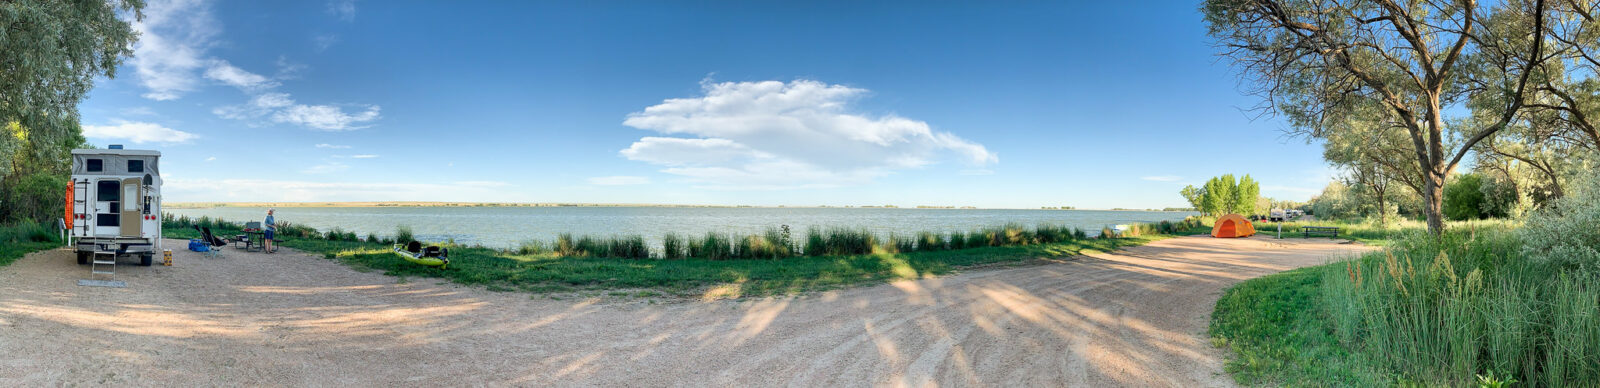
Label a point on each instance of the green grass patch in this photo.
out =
(694, 277)
(1454, 310)
(20, 239)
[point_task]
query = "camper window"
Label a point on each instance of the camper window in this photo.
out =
(108, 191)
(135, 166)
(95, 165)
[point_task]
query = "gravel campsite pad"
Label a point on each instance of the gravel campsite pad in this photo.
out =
(1131, 318)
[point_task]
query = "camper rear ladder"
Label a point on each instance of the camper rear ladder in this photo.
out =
(105, 260)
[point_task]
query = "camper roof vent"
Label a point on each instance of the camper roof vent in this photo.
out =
(114, 147)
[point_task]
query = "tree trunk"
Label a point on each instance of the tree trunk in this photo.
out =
(1433, 203)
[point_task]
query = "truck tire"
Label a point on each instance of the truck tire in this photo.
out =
(146, 259)
(83, 258)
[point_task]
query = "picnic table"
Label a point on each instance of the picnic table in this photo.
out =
(1330, 231)
(252, 239)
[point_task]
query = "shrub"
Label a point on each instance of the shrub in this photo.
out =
(1567, 231)
(402, 234)
(672, 246)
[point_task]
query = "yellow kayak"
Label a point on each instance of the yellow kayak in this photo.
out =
(432, 256)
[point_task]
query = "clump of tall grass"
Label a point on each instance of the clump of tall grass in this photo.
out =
(403, 235)
(23, 232)
(714, 246)
(1446, 309)
(839, 242)
(673, 247)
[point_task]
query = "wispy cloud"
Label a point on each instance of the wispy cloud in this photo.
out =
(280, 108)
(173, 38)
(323, 42)
(364, 156)
(211, 159)
(138, 111)
(326, 168)
(618, 180)
(287, 69)
(230, 75)
(332, 146)
(137, 132)
(182, 189)
(343, 9)
(1163, 178)
(779, 135)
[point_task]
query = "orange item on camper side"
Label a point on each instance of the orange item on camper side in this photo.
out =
(1232, 225)
(69, 217)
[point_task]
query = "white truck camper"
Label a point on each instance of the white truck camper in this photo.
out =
(114, 204)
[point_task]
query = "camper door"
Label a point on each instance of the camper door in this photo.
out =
(132, 217)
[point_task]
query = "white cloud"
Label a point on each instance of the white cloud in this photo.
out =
(138, 132)
(1163, 178)
(332, 146)
(618, 180)
(323, 42)
(326, 168)
(138, 111)
(363, 156)
(211, 159)
(287, 69)
(226, 73)
(280, 108)
(173, 38)
(777, 135)
(179, 189)
(482, 184)
(344, 9)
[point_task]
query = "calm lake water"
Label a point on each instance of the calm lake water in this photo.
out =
(508, 226)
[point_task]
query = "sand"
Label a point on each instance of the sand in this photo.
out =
(1133, 318)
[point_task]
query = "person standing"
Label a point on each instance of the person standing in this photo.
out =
(269, 228)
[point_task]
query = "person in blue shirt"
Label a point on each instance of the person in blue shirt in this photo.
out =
(269, 228)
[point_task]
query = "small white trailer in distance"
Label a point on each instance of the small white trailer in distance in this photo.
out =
(115, 203)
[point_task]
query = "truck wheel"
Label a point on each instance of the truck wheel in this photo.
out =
(147, 259)
(83, 258)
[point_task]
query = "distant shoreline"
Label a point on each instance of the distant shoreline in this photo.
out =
(560, 204)
(207, 205)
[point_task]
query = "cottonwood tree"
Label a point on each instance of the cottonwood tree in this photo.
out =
(1318, 62)
(50, 53)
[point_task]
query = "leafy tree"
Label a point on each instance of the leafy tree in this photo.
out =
(1193, 195)
(50, 53)
(1324, 62)
(1245, 195)
(1219, 197)
(1463, 198)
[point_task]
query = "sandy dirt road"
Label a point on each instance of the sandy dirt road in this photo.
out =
(1132, 318)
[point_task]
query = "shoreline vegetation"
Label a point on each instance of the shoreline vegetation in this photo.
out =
(714, 265)
(209, 205)
(1487, 303)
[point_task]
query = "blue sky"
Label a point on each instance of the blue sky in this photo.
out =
(745, 103)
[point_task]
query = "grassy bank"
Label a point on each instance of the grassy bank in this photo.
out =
(1467, 308)
(722, 265)
(21, 239)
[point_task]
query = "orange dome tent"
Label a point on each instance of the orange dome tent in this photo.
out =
(1232, 225)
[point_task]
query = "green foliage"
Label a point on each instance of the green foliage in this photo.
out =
(52, 52)
(1429, 310)
(1224, 195)
(1245, 196)
(1463, 198)
(21, 238)
(403, 235)
(1567, 232)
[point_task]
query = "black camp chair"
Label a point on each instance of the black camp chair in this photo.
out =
(212, 241)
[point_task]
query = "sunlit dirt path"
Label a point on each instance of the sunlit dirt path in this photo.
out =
(1133, 318)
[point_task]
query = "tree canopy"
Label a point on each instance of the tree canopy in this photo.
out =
(50, 53)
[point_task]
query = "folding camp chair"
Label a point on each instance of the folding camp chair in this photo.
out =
(214, 243)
